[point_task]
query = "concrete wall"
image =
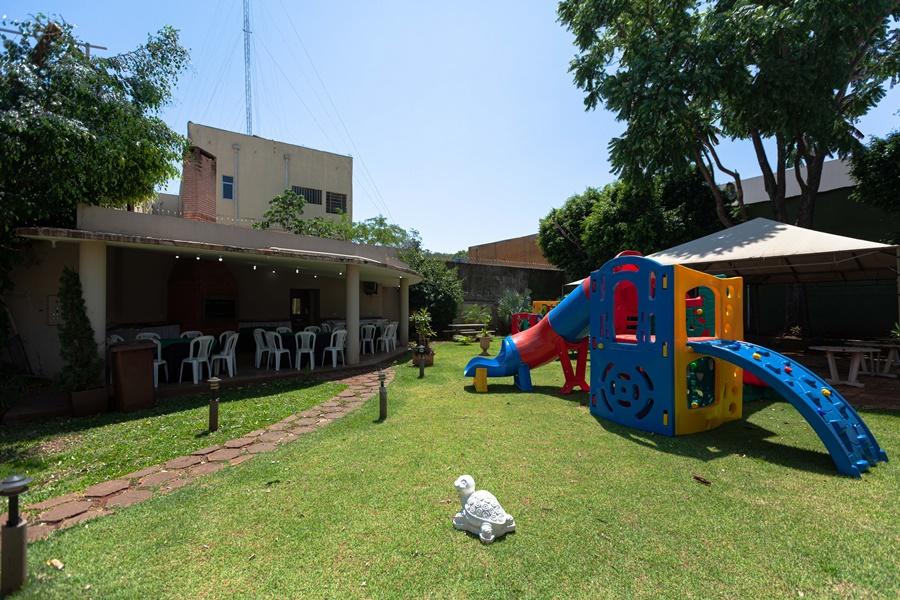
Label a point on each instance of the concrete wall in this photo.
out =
(260, 173)
(30, 303)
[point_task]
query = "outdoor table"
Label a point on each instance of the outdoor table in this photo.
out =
(893, 357)
(856, 355)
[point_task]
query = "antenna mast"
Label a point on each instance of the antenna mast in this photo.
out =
(248, 97)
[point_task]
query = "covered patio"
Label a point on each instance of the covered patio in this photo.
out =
(179, 280)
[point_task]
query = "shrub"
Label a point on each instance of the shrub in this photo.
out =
(478, 313)
(421, 320)
(83, 368)
(440, 290)
(512, 302)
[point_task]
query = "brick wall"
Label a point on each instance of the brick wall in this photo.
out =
(198, 186)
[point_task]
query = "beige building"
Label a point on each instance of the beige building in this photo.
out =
(515, 252)
(251, 170)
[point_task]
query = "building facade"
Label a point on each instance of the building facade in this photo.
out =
(251, 170)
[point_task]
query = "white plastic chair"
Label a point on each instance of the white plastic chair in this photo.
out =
(147, 335)
(326, 327)
(198, 355)
(306, 344)
(314, 329)
(193, 333)
(158, 361)
(386, 339)
(367, 337)
(226, 356)
(284, 330)
(338, 338)
(262, 346)
(276, 349)
(114, 339)
(394, 326)
(223, 337)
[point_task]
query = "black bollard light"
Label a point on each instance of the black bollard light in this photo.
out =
(14, 567)
(213, 404)
(382, 397)
(420, 352)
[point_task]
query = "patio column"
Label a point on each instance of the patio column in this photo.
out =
(404, 312)
(352, 287)
(92, 272)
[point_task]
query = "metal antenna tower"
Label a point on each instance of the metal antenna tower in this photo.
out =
(248, 96)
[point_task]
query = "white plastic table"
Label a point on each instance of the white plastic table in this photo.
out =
(893, 356)
(856, 356)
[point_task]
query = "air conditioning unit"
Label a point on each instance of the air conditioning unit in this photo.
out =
(370, 288)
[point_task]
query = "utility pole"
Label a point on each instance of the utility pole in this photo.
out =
(248, 98)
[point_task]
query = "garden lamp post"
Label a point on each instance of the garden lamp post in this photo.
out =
(382, 397)
(420, 352)
(14, 568)
(213, 404)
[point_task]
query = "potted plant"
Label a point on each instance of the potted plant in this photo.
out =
(82, 375)
(421, 320)
(480, 314)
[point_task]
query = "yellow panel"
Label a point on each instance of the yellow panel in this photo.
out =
(481, 379)
(729, 319)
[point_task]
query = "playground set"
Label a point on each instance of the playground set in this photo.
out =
(668, 356)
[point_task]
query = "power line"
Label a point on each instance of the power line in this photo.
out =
(336, 111)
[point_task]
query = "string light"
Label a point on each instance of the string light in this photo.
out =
(297, 271)
(198, 258)
(177, 257)
(254, 267)
(220, 259)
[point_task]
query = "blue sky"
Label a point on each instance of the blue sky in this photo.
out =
(464, 113)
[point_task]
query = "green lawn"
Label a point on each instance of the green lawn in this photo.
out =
(66, 455)
(362, 509)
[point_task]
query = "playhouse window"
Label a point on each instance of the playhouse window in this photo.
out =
(625, 312)
(701, 383)
(700, 312)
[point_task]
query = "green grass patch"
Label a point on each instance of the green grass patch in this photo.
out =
(65, 455)
(363, 509)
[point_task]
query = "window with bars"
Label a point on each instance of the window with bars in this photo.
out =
(335, 202)
(312, 196)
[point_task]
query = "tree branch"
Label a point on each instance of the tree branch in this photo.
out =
(709, 177)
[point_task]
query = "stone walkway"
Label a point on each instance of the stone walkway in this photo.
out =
(103, 498)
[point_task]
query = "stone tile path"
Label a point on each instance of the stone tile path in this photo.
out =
(102, 498)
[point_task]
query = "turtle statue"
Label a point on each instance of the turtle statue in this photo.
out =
(481, 512)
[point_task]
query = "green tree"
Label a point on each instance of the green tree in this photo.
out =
(876, 169)
(377, 231)
(684, 75)
(78, 129)
(285, 211)
(669, 210)
(83, 367)
(440, 291)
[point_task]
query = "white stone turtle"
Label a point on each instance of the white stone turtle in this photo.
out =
(481, 512)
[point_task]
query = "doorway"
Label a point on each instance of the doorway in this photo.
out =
(304, 308)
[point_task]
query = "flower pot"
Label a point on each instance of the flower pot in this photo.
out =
(485, 343)
(89, 402)
(428, 357)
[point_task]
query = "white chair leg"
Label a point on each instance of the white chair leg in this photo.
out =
(334, 359)
(156, 376)
(230, 363)
(166, 368)
(312, 361)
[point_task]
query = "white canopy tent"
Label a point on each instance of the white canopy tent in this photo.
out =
(766, 251)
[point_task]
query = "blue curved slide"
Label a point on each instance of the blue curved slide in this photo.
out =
(850, 443)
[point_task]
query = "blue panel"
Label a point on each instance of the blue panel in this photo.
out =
(631, 384)
(506, 363)
(849, 441)
(569, 318)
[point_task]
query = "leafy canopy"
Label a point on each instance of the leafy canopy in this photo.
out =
(684, 75)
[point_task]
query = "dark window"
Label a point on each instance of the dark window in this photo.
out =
(227, 187)
(335, 203)
(311, 195)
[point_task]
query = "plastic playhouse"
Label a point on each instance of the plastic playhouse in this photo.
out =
(667, 356)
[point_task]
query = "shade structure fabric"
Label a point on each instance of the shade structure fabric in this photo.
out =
(766, 251)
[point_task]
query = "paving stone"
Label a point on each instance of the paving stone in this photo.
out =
(38, 532)
(50, 503)
(156, 479)
(255, 433)
(85, 516)
(183, 462)
(344, 394)
(261, 447)
(276, 427)
(306, 421)
(65, 511)
(224, 454)
(239, 442)
(289, 419)
(143, 472)
(205, 451)
(175, 484)
(106, 488)
(206, 468)
(272, 436)
(334, 416)
(128, 498)
(240, 459)
(304, 429)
